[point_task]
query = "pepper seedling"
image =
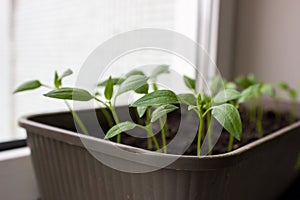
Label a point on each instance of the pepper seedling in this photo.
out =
(293, 95)
(218, 107)
(133, 82)
(158, 114)
(162, 99)
(66, 93)
(253, 94)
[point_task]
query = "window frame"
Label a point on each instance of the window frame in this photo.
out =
(6, 63)
(207, 34)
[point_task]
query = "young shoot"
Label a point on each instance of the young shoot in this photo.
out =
(205, 107)
(162, 100)
(293, 96)
(134, 82)
(158, 114)
(66, 93)
(254, 94)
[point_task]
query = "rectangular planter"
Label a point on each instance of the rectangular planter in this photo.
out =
(65, 168)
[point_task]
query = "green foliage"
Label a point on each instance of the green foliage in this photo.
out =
(256, 91)
(141, 110)
(161, 111)
(116, 81)
(226, 95)
(155, 104)
(217, 84)
(58, 79)
(292, 92)
(109, 89)
(189, 82)
(246, 81)
(188, 99)
(228, 116)
(132, 83)
(251, 92)
(134, 72)
(293, 96)
(143, 89)
(267, 89)
(160, 69)
(158, 97)
(75, 94)
(283, 86)
(119, 128)
(66, 73)
(29, 85)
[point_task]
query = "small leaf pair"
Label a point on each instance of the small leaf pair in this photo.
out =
(58, 79)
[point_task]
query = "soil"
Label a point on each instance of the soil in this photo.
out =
(271, 122)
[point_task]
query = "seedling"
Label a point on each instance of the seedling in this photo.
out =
(293, 95)
(132, 82)
(67, 93)
(77, 94)
(252, 92)
(158, 114)
(155, 104)
(226, 114)
(246, 81)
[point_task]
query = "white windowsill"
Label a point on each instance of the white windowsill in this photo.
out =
(17, 178)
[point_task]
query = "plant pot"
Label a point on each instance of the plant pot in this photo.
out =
(65, 168)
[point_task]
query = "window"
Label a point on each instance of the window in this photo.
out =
(43, 36)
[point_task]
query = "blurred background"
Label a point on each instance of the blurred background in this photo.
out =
(38, 37)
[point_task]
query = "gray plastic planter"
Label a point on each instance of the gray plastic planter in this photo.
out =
(65, 169)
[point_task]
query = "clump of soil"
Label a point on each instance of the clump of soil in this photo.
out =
(271, 122)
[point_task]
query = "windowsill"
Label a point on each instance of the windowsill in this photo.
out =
(16, 174)
(14, 154)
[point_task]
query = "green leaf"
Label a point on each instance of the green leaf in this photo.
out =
(143, 90)
(190, 83)
(57, 81)
(230, 85)
(132, 83)
(97, 93)
(162, 111)
(29, 85)
(158, 97)
(160, 69)
(66, 73)
(252, 79)
(109, 89)
(141, 110)
(246, 81)
(283, 86)
(226, 95)
(199, 99)
(75, 94)
(293, 94)
(216, 83)
(119, 128)
(228, 116)
(267, 89)
(251, 92)
(116, 81)
(188, 99)
(135, 72)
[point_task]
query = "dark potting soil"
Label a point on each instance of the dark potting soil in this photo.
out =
(271, 122)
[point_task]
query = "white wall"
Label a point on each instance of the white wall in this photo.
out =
(268, 39)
